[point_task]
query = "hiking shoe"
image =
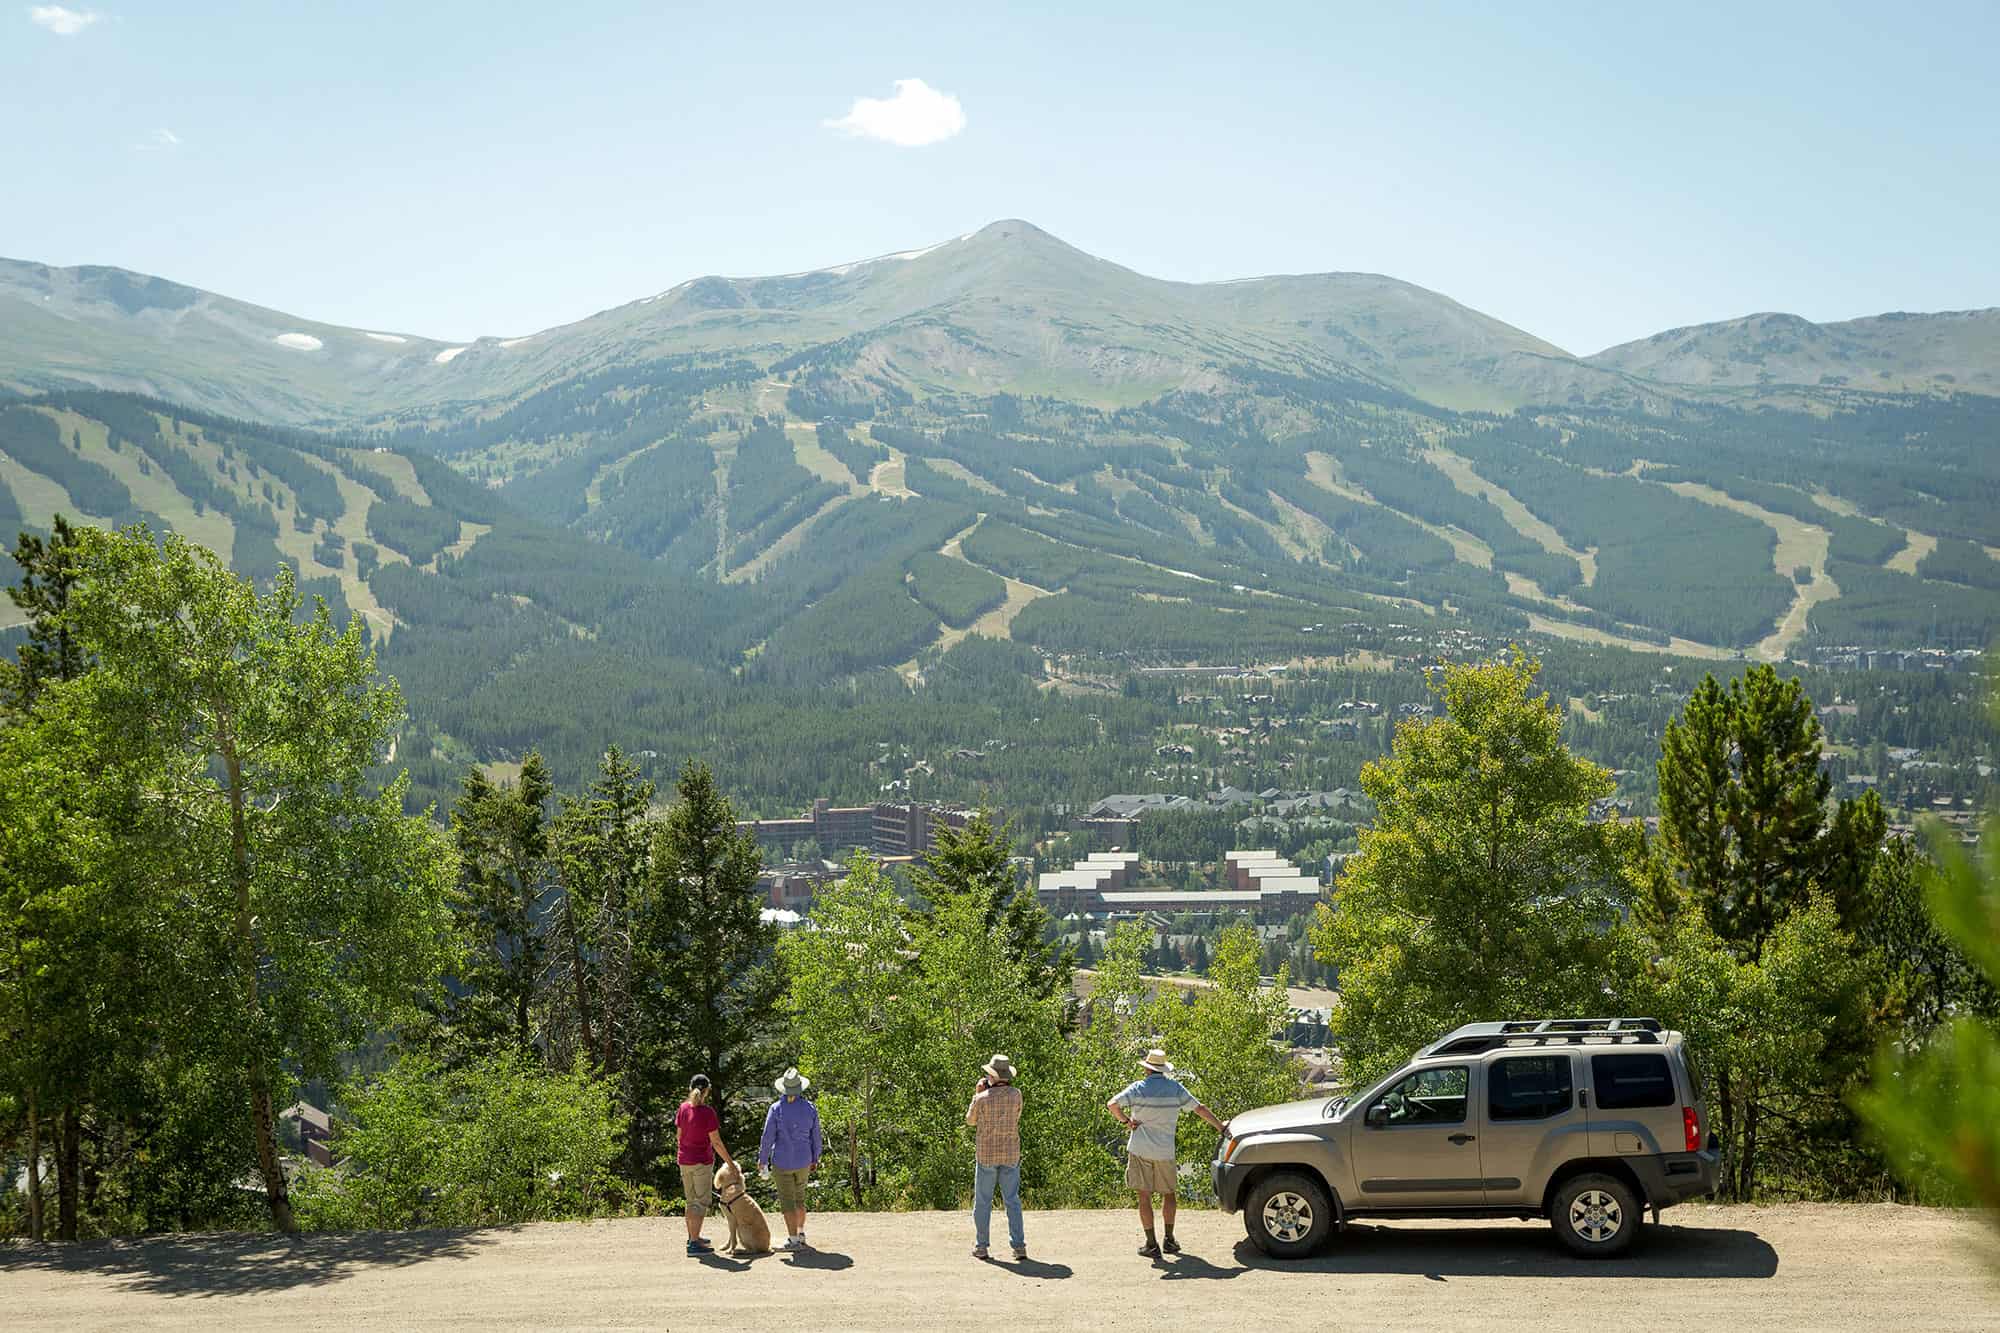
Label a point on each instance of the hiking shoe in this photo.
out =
(1170, 1245)
(979, 1251)
(1149, 1251)
(1020, 1254)
(696, 1248)
(794, 1243)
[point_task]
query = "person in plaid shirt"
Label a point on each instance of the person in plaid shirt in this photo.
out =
(995, 1116)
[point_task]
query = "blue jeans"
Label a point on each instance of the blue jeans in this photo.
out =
(1008, 1178)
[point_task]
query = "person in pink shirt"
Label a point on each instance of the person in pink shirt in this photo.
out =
(700, 1132)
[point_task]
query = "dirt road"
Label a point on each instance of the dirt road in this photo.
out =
(1733, 1269)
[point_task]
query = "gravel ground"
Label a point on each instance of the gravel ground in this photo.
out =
(1788, 1266)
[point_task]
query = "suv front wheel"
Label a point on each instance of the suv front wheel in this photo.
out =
(1596, 1216)
(1288, 1215)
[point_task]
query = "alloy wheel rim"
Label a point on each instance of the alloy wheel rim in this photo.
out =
(1596, 1216)
(1288, 1216)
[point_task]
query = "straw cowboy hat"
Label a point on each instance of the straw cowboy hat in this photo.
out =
(793, 1083)
(1001, 1067)
(1156, 1060)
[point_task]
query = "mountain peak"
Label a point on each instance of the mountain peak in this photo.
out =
(1013, 229)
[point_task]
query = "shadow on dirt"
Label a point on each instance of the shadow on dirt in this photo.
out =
(830, 1260)
(1662, 1252)
(225, 1265)
(1030, 1268)
(733, 1262)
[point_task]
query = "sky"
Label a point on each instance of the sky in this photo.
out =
(1590, 173)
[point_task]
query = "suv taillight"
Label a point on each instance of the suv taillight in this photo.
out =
(1691, 1121)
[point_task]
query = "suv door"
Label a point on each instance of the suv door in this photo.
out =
(1533, 1123)
(1417, 1143)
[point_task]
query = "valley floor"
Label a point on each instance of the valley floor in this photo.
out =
(1788, 1266)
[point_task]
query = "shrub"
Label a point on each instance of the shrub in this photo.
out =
(493, 1143)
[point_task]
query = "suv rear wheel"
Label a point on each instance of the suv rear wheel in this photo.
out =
(1288, 1215)
(1596, 1216)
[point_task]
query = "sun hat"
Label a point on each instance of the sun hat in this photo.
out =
(1156, 1060)
(1001, 1068)
(793, 1083)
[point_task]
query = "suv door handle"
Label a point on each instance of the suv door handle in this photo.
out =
(1463, 1138)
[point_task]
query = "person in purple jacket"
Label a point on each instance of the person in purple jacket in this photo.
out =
(792, 1146)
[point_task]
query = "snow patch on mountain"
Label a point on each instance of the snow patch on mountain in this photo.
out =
(299, 342)
(842, 270)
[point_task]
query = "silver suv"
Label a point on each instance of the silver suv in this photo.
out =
(1584, 1121)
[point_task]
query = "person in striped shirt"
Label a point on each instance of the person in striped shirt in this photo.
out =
(1151, 1109)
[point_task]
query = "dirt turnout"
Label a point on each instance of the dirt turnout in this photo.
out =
(1793, 1266)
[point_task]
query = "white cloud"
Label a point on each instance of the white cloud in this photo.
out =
(158, 141)
(917, 115)
(60, 21)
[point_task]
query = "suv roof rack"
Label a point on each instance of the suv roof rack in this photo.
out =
(1476, 1038)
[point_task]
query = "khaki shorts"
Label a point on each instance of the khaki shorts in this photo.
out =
(698, 1185)
(1149, 1175)
(791, 1188)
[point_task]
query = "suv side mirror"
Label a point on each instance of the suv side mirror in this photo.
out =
(1377, 1117)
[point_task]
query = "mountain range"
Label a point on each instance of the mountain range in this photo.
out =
(967, 489)
(1007, 308)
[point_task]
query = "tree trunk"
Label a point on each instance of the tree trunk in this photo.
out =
(92, 1171)
(68, 1150)
(524, 977)
(261, 1118)
(263, 1121)
(1747, 1165)
(582, 981)
(1726, 1129)
(854, 1159)
(34, 1169)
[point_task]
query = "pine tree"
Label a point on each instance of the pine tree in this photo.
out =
(974, 862)
(713, 984)
(48, 575)
(502, 834)
(601, 844)
(50, 655)
(1694, 812)
(1746, 842)
(1743, 807)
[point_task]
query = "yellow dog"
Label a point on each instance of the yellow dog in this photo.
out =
(749, 1233)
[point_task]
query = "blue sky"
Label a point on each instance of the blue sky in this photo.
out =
(458, 169)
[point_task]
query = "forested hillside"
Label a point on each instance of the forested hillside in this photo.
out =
(744, 512)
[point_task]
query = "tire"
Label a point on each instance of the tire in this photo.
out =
(1288, 1215)
(1596, 1216)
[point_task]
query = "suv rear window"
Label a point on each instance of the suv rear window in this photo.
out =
(1629, 1082)
(1528, 1087)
